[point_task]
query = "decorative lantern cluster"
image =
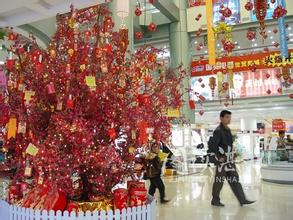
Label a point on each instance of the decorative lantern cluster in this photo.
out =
(279, 12)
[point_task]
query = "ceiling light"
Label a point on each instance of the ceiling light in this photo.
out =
(255, 44)
(273, 42)
(271, 37)
(206, 51)
(289, 28)
(253, 40)
(2, 62)
(239, 47)
(195, 42)
(269, 31)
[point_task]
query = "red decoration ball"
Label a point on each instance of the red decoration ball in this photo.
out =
(201, 112)
(138, 35)
(279, 90)
(291, 96)
(275, 31)
(251, 35)
(248, 6)
(138, 11)
(152, 27)
(268, 75)
(269, 92)
(152, 1)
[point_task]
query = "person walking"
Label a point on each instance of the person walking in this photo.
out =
(154, 168)
(221, 144)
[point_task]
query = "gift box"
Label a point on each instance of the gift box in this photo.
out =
(53, 200)
(34, 197)
(104, 204)
(138, 197)
(14, 193)
(120, 198)
(135, 184)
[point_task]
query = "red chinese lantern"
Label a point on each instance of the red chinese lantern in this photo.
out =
(280, 90)
(269, 92)
(291, 96)
(226, 12)
(138, 35)
(203, 85)
(248, 6)
(108, 48)
(228, 46)
(152, 27)
(252, 67)
(201, 112)
(138, 11)
(275, 30)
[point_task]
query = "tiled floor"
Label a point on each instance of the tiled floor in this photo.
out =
(191, 198)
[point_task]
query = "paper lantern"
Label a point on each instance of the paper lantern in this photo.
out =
(251, 35)
(138, 11)
(138, 35)
(122, 9)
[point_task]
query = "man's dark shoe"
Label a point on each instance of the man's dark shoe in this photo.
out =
(246, 202)
(164, 201)
(219, 204)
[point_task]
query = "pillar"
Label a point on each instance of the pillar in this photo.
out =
(128, 21)
(180, 52)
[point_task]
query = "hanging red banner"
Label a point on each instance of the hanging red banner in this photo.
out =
(241, 63)
(278, 125)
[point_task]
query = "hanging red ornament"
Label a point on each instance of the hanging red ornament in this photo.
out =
(203, 85)
(226, 12)
(275, 30)
(138, 11)
(108, 48)
(40, 67)
(248, 6)
(112, 133)
(276, 44)
(279, 12)
(200, 80)
(268, 75)
(269, 92)
(279, 75)
(291, 96)
(87, 35)
(228, 46)
(273, 1)
(138, 35)
(10, 64)
(266, 49)
(201, 112)
(287, 25)
(260, 7)
(226, 104)
(11, 36)
(152, 1)
(280, 90)
(152, 27)
(251, 35)
(212, 84)
(192, 104)
(222, 6)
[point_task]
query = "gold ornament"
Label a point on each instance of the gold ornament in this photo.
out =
(82, 67)
(71, 52)
(71, 22)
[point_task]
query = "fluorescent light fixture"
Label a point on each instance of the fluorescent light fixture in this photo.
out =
(155, 11)
(2, 62)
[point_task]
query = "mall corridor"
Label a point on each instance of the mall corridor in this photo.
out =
(191, 197)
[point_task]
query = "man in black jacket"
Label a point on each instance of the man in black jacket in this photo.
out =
(221, 144)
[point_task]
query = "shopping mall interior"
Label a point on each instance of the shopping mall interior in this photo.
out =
(144, 109)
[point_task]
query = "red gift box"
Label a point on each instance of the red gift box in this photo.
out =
(34, 197)
(120, 198)
(138, 197)
(54, 200)
(135, 184)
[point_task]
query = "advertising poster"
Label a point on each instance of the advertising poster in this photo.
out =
(270, 10)
(234, 5)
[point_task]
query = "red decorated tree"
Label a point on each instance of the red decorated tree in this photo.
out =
(79, 110)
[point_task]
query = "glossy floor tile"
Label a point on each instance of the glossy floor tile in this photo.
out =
(190, 198)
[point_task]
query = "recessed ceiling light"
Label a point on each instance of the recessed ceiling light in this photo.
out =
(253, 40)
(289, 28)
(195, 42)
(271, 37)
(269, 31)
(2, 62)
(239, 47)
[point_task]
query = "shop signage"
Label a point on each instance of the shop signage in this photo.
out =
(241, 63)
(278, 125)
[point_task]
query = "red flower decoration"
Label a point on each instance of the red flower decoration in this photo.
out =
(248, 6)
(269, 92)
(226, 12)
(276, 44)
(228, 46)
(138, 11)
(279, 90)
(152, 27)
(268, 75)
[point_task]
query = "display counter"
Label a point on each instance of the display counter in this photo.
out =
(277, 166)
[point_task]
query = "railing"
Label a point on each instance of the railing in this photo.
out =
(271, 157)
(12, 212)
